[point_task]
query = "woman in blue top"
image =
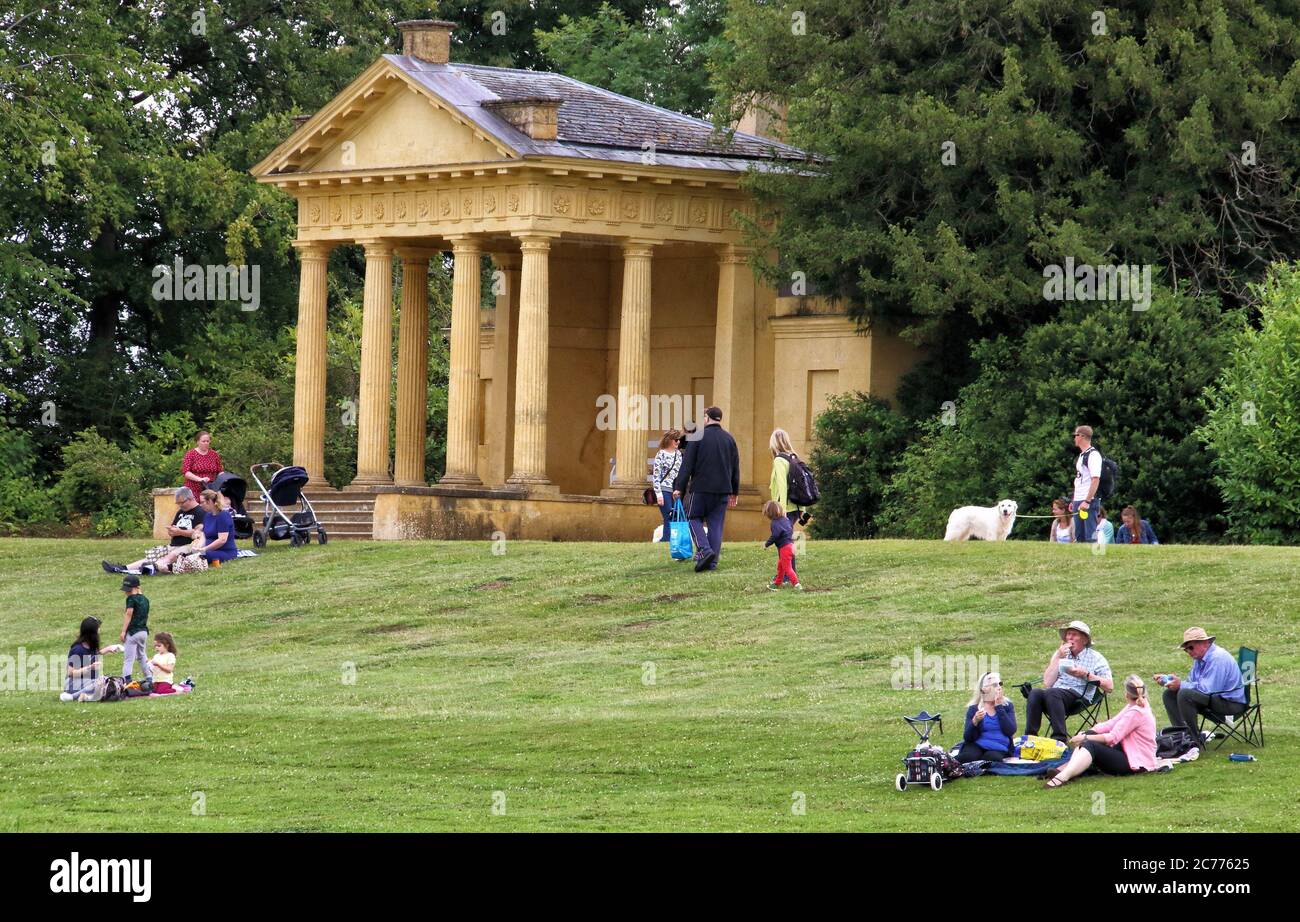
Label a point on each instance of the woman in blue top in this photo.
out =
(990, 723)
(218, 530)
(84, 664)
(1134, 530)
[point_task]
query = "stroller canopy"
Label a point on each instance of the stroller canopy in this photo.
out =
(287, 484)
(233, 486)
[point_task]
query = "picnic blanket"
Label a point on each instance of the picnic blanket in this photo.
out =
(1022, 767)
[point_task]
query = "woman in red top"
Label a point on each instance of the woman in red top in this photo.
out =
(201, 464)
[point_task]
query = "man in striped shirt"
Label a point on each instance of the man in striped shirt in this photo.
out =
(1074, 665)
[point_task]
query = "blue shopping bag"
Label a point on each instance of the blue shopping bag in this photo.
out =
(679, 531)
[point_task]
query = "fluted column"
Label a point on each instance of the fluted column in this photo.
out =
(733, 355)
(412, 369)
(309, 372)
(376, 366)
(531, 372)
(501, 412)
(463, 392)
(633, 368)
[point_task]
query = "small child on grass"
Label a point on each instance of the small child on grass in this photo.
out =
(135, 629)
(783, 538)
(164, 663)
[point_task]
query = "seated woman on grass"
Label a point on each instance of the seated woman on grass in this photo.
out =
(216, 544)
(1123, 745)
(1062, 530)
(1135, 529)
(990, 722)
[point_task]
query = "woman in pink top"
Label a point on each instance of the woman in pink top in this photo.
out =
(1123, 745)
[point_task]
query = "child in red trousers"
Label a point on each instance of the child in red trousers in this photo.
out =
(783, 538)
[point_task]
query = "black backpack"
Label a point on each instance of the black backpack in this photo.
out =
(1109, 476)
(801, 486)
(1174, 742)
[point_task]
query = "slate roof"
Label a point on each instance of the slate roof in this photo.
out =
(591, 123)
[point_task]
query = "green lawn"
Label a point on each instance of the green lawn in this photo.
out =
(526, 674)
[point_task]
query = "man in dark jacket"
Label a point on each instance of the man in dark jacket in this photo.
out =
(711, 467)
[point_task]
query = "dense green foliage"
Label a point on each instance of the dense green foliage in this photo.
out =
(859, 442)
(1134, 376)
(1253, 425)
(1113, 142)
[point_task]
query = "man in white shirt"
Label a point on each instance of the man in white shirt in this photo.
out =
(1087, 478)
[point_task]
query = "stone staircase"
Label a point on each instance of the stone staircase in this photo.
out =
(344, 515)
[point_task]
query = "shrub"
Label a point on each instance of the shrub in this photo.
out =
(160, 449)
(96, 475)
(23, 499)
(859, 439)
(1253, 428)
(1134, 376)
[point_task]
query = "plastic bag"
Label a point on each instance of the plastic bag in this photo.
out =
(679, 541)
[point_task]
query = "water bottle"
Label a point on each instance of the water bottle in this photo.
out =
(1241, 757)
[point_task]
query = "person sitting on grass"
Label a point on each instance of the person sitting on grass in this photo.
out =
(783, 537)
(215, 544)
(186, 525)
(1105, 530)
(990, 722)
(1134, 530)
(1214, 685)
(85, 662)
(1075, 664)
(163, 664)
(1061, 531)
(1123, 745)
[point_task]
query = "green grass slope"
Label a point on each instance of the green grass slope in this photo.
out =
(605, 687)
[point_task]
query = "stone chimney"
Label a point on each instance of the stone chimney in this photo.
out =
(427, 39)
(765, 117)
(535, 116)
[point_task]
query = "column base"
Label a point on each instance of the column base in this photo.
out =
(361, 484)
(460, 480)
(410, 483)
(623, 489)
(532, 485)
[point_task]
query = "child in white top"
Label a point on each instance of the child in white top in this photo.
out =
(163, 663)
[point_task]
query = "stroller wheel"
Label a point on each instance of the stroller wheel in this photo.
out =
(321, 537)
(259, 538)
(294, 540)
(900, 781)
(936, 782)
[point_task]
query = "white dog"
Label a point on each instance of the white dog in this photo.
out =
(992, 523)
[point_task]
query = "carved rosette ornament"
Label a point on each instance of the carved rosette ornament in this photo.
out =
(561, 203)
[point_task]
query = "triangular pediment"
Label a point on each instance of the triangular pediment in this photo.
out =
(383, 120)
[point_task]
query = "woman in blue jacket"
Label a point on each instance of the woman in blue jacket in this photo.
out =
(1134, 530)
(990, 723)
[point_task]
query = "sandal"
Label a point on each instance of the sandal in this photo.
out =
(1055, 783)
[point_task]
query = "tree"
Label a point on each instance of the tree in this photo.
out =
(1252, 428)
(966, 146)
(859, 440)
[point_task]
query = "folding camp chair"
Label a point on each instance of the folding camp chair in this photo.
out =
(1248, 726)
(1087, 711)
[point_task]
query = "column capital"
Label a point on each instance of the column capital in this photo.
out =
(507, 260)
(535, 240)
(466, 243)
(730, 253)
(416, 254)
(639, 246)
(376, 246)
(313, 249)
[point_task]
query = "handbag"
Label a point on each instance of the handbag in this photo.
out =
(648, 497)
(679, 532)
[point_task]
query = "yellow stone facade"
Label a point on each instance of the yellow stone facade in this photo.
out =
(613, 275)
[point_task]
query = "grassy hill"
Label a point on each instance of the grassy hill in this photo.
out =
(586, 686)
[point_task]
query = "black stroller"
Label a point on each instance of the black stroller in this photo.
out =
(235, 489)
(285, 490)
